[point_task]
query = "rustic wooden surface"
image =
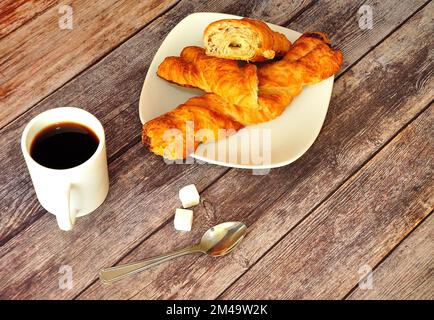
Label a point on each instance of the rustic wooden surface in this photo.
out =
(361, 197)
(407, 273)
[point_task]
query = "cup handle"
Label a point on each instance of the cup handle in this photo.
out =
(65, 219)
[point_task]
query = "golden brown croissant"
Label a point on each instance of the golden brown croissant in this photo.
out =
(279, 82)
(311, 61)
(237, 84)
(244, 39)
(174, 135)
(166, 134)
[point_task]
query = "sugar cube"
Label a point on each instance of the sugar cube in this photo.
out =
(183, 219)
(189, 196)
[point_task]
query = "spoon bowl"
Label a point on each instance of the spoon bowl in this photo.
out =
(217, 241)
(222, 238)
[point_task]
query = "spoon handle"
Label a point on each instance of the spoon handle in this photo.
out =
(108, 275)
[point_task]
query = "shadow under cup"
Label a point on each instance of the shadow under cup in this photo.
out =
(75, 191)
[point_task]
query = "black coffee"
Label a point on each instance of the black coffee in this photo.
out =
(64, 145)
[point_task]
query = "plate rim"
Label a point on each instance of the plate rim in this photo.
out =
(235, 165)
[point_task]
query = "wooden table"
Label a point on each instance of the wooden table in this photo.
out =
(360, 199)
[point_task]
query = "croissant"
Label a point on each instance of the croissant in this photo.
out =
(195, 69)
(276, 80)
(309, 61)
(174, 135)
(244, 39)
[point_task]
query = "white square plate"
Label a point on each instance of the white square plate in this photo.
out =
(267, 145)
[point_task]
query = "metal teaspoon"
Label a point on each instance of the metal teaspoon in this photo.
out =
(217, 241)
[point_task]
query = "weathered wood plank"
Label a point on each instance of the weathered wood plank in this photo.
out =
(143, 194)
(326, 255)
(112, 96)
(14, 13)
(110, 90)
(39, 57)
(365, 113)
(340, 19)
(408, 273)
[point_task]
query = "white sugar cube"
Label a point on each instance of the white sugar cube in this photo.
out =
(189, 196)
(183, 219)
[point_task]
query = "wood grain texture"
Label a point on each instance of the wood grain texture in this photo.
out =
(357, 126)
(143, 194)
(408, 273)
(39, 57)
(15, 13)
(340, 20)
(365, 113)
(110, 90)
(324, 256)
(112, 96)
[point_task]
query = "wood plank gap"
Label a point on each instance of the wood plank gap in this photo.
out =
(298, 14)
(382, 40)
(98, 60)
(326, 198)
(336, 79)
(277, 199)
(135, 141)
(352, 173)
(5, 240)
(417, 225)
(126, 254)
(191, 263)
(131, 144)
(161, 226)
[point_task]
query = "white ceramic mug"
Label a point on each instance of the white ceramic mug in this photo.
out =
(73, 192)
